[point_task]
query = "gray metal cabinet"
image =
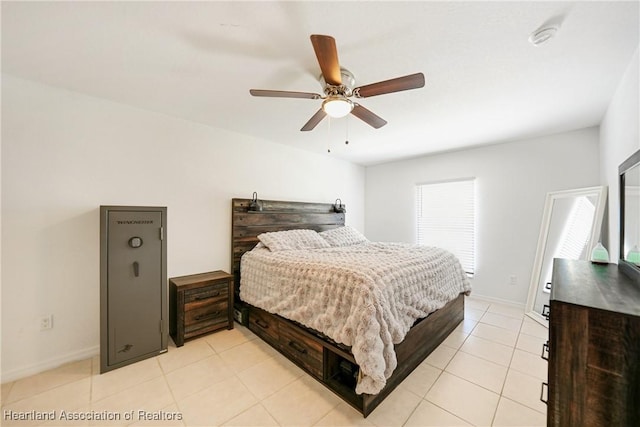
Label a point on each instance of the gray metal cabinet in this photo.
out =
(133, 284)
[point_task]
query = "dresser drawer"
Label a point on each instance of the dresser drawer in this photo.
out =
(264, 325)
(302, 349)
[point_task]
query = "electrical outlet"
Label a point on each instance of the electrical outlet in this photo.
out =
(46, 322)
(513, 280)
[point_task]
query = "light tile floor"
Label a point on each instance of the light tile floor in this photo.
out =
(487, 372)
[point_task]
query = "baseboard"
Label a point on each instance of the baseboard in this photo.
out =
(497, 300)
(16, 374)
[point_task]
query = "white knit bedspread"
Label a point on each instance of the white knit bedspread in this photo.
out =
(365, 296)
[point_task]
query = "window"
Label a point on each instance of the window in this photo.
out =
(446, 218)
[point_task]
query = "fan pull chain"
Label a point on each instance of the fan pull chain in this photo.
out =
(346, 141)
(329, 135)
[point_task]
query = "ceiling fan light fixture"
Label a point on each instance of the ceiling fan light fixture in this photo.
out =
(337, 106)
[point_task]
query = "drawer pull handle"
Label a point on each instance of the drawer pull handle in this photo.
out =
(201, 297)
(297, 347)
(207, 316)
(546, 310)
(544, 385)
(545, 349)
(262, 324)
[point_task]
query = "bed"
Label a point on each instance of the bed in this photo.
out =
(362, 369)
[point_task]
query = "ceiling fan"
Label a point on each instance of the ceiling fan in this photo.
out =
(339, 85)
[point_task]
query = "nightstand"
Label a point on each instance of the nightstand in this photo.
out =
(200, 304)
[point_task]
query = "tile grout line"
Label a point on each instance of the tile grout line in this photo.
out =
(90, 377)
(463, 379)
(516, 370)
(175, 401)
(513, 348)
(4, 400)
(508, 368)
(424, 398)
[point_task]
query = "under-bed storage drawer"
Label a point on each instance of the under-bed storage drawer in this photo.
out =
(306, 351)
(293, 343)
(265, 325)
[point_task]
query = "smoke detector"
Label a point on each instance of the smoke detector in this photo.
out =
(543, 35)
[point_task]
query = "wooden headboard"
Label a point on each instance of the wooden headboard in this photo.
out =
(275, 216)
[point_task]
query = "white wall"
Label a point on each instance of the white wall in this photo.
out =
(65, 154)
(619, 139)
(511, 184)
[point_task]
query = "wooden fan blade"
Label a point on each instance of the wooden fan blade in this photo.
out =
(313, 121)
(412, 81)
(284, 94)
(327, 54)
(368, 117)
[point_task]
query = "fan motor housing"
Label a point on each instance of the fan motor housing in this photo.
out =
(348, 80)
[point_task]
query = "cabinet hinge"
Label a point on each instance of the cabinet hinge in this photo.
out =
(161, 233)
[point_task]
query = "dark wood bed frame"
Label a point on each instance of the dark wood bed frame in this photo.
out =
(331, 363)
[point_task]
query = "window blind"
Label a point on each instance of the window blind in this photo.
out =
(446, 218)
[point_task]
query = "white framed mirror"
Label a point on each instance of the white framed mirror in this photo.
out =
(571, 223)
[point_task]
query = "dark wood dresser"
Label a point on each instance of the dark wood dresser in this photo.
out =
(199, 304)
(594, 346)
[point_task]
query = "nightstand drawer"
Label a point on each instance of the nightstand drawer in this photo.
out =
(207, 313)
(302, 349)
(205, 319)
(217, 291)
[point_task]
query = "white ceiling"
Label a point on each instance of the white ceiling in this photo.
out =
(197, 60)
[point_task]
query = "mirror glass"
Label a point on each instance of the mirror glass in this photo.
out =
(631, 250)
(570, 229)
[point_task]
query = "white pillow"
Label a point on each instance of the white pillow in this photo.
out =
(343, 236)
(292, 239)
